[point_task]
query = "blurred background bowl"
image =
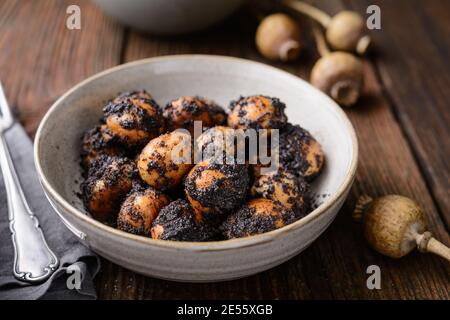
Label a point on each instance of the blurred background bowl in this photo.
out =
(169, 17)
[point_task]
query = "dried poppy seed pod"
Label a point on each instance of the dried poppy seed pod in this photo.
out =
(339, 75)
(278, 37)
(345, 31)
(393, 225)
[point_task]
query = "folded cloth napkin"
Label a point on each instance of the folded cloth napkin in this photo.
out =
(63, 243)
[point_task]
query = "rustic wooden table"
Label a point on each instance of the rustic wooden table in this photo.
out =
(403, 125)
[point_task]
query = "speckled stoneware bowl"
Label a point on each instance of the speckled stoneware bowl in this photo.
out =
(57, 149)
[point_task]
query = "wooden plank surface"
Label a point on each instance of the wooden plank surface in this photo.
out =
(413, 65)
(320, 271)
(40, 59)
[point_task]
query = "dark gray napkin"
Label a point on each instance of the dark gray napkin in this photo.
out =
(65, 245)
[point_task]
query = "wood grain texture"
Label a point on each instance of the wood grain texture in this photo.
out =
(40, 58)
(334, 266)
(413, 65)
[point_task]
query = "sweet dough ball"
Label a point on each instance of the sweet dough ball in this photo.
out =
(139, 210)
(182, 112)
(134, 118)
(109, 180)
(165, 160)
(283, 187)
(300, 153)
(96, 142)
(177, 222)
(270, 160)
(214, 188)
(257, 112)
(257, 216)
(221, 143)
(256, 170)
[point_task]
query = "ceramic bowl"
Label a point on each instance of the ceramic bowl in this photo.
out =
(169, 17)
(57, 149)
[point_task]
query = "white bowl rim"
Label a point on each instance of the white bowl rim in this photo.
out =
(208, 245)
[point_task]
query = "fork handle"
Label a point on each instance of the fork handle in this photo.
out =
(33, 259)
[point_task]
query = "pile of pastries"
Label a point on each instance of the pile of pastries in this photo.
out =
(134, 182)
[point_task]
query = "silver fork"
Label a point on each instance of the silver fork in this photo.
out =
(33, 259)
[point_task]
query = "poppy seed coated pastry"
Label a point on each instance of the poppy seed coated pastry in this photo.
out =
(246, 173)
(176, 221)
(162, 166)
(109, 180)
(300, 153)
(96, 142)
(214, 188)
(183, 111)
(134, 118)
(257, 112)
(283, 187)
(139, 209)
(257, 216)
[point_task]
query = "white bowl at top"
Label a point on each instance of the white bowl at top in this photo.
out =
(57, 155)
(169, 17)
